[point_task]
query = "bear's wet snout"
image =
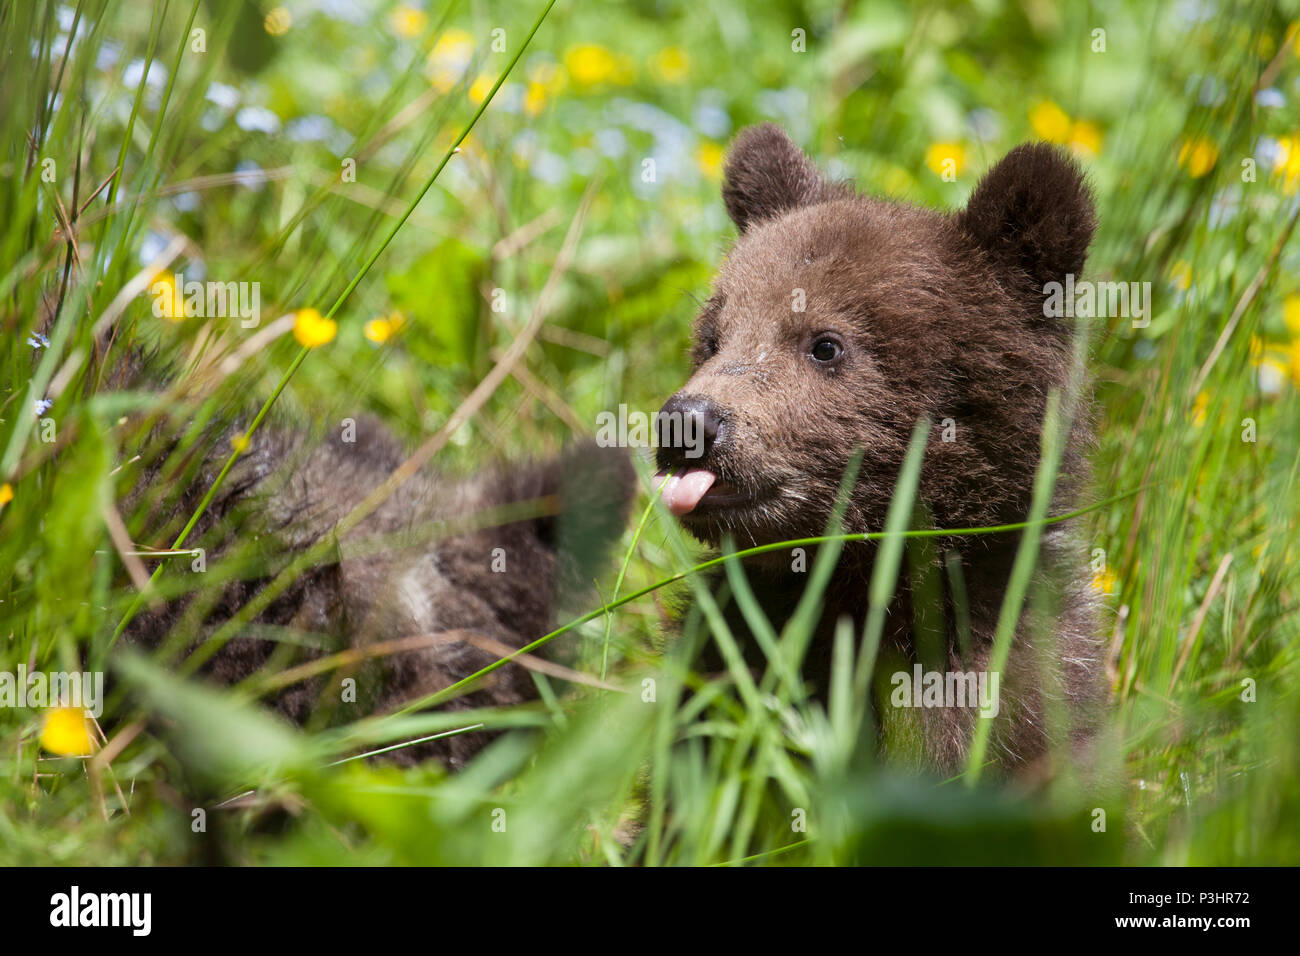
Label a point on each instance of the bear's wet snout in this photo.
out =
(687, 428)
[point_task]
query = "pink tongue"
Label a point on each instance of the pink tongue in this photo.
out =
(683, 492)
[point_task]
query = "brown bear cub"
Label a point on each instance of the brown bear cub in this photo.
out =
(836, 323)
(443, 578)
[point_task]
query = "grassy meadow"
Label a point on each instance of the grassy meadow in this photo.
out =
(488, 222)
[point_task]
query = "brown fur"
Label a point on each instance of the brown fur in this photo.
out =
(940, 316)
(289, 491)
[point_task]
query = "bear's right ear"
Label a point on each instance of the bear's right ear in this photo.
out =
(766, 174)
(1033, 211)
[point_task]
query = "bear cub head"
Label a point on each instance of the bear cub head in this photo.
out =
(838, 321)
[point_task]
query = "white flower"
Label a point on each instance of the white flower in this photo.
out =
(134, 74)
(250, 174)
(225, 96)
(1271, 97)
(257, 118)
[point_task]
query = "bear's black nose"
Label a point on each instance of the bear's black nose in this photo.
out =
(687, 428)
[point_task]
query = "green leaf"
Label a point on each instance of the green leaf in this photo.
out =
(224, 741)
(439, 294)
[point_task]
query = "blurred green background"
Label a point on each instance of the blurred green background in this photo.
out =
(282, 142)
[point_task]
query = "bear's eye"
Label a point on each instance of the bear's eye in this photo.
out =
(827, 350)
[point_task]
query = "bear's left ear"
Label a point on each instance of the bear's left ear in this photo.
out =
(1033, 211)
(766, 175)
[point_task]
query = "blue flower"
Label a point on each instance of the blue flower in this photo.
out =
(250, 174)
(1270, 97)
(225, 96)
(257, 118)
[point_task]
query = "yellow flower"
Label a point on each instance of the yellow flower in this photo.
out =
(1199, 156)
(408, 21)
(1287, 164)
(449, 59)
(1085, 138)
(1198, 408)
(454, 44)
(671, 64)
(1273, 365)
(1049, 122)
(382, 329)
(1274, 370)
(708, 156)
(1104, 581)
(1180, 274)
(67, 732)
(1291, 315)
(534, 98)
(544, 82)
(480, 88)
(168, 302)
(6, 494)
(311, 330)
(590, 64)
(945, 159)
(277, 22)
(239, 443)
